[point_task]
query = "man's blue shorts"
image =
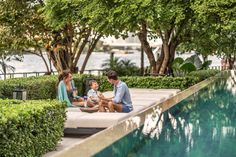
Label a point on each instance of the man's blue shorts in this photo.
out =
(126, 109)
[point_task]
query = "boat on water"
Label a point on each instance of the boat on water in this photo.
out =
(118, 51)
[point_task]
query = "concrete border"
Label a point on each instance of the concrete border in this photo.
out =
(101, 140)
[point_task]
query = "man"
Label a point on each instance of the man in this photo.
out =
(121, 102)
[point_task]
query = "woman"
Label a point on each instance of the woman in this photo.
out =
(65, 89)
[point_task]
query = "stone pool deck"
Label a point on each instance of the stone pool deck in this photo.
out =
(78, 121)
(141, 98)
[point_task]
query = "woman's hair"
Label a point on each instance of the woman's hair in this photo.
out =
(62, 75)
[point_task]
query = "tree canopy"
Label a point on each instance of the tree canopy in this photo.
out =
(68, 28)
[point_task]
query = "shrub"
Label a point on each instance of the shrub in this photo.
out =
(152, 82)
(30, 128)
(203, 74)
(44, 87)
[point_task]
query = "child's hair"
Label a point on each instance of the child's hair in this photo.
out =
(91, 82)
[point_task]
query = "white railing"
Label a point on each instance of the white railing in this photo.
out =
(28, 74)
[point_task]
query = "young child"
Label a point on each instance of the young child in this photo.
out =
(93, 94)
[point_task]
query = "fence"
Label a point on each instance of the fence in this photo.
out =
(28, 74)
(216, 67)
(222, 67)
(89, 71)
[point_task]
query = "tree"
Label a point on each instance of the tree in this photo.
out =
(7, 51)
(72, 33)
(168, 20)
(25, 26)
(58, 26)
(214, 32)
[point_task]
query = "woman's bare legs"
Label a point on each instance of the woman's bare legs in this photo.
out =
(78, 103)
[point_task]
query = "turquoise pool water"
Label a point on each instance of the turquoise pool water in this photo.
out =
(203, 125)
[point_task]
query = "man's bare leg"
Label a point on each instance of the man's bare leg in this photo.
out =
(118, 107)
(114, 107)
(110, 106)
(102, 105)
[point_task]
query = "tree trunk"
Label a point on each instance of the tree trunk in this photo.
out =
(142, 62)
(160, 60)
(173, 47)
(50, 64)
(64, 52)
(165, 62)
(4, 67)
(81, 48)
(90, 50)
(147, 48)
(230, 62)
(204, 58)
(44, 60)
(169, 44)
(53, 59)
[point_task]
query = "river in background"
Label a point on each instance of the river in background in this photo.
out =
(33, 63)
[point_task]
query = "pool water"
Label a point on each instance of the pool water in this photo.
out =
(203, 125)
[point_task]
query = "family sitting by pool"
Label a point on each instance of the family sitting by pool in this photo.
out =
(120, 102)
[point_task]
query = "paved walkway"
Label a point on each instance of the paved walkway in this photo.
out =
(66, 142)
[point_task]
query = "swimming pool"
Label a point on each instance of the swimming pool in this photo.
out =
(203, 125)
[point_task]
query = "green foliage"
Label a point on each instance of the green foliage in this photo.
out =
(59, 13)
(187, 67)
(206, 65)
(182, 67)
(160, 82)
(36, 87)
(170, 21)
(44, 87)
(152, 82)
(203, 74)
(214, 28)
(30, 128)
(23, 24)
(195, 60)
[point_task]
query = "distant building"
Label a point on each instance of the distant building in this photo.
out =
(128, 44)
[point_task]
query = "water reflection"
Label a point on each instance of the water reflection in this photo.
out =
(202, 125)
(153, 123)
(231, 82)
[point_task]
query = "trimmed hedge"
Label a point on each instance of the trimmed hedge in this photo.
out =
(30, 128)
(203, 74)
(153, 82)
(44, 87)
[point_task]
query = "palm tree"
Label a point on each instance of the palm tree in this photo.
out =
(4, 68)
(129, 67)
(122, 67)
(112, 64)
